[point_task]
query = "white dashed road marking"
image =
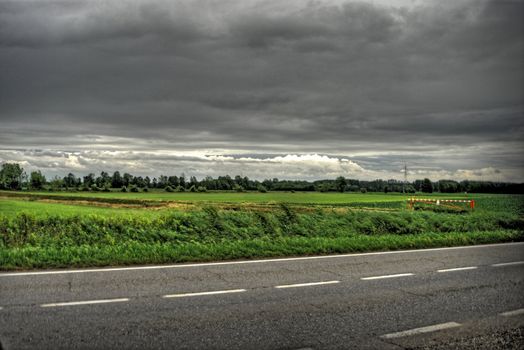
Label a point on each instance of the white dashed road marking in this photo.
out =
(306, 284)
(512, 313)
(508, 263)
(203, 293)
(86, 302)
(428, 329)
(387, 276)
(458, 269)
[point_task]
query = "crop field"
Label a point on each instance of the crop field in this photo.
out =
(63, 229)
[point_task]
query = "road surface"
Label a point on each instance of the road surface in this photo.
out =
(464, 297)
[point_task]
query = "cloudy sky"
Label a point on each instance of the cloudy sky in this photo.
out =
(289, 89)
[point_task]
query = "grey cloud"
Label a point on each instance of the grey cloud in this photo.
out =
(320, 77)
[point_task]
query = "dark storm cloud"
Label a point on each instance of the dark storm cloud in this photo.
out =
(329, 77)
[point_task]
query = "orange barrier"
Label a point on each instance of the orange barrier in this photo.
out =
(443, 202)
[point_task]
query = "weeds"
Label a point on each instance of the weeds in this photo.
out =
(31, 240)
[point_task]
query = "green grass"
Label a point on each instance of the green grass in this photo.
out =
(36, 233)
(12, 207)
(250, 197)
(157, 253)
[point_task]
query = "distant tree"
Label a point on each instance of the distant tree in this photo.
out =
(448, 186)
(173, 181)
(104, 180)
(340, 184)
(193, 181)
(138, 181)
(410, 189)
(11, 176)
(70, 181)
(89, 180)
(427, 186)
(117, 180)
(126, 179)
(37, 180)
(57, 183)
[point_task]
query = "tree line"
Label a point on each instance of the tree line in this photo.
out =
(13, 177)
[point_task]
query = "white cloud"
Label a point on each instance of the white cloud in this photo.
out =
(285, 166)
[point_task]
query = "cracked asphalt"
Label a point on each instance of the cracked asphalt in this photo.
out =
(128, 308)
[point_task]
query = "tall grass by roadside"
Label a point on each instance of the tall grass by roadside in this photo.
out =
(28, 240)
(146, 253)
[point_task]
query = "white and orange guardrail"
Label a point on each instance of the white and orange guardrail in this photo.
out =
(444, 202)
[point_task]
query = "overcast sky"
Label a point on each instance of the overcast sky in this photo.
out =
(289, 89)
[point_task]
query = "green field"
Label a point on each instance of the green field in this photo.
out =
(250, 197)
(62, 229)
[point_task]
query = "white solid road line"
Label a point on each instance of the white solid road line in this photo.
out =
(86, 302)
(155, 267)
(433, 328)
(305, 284)
(387, 276)
(458, 269)
(203, 293)
(508, 263)
(512, 313)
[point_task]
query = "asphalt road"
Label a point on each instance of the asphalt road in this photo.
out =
(465, 297)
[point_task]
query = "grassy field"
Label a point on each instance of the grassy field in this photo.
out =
(42, 230)
(248, 197)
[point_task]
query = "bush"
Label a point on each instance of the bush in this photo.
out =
(145, 189)
(201, 189)
(169, 189)
(192, 188)
(180, 189)
(134, 189)
(124, 189)
(262, 189)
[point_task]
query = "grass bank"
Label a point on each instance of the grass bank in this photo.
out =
(89, 239)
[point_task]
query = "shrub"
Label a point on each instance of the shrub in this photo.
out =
(201, 189)
(262, 189)
(169, 189)
(134, 189)
(124, 189)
